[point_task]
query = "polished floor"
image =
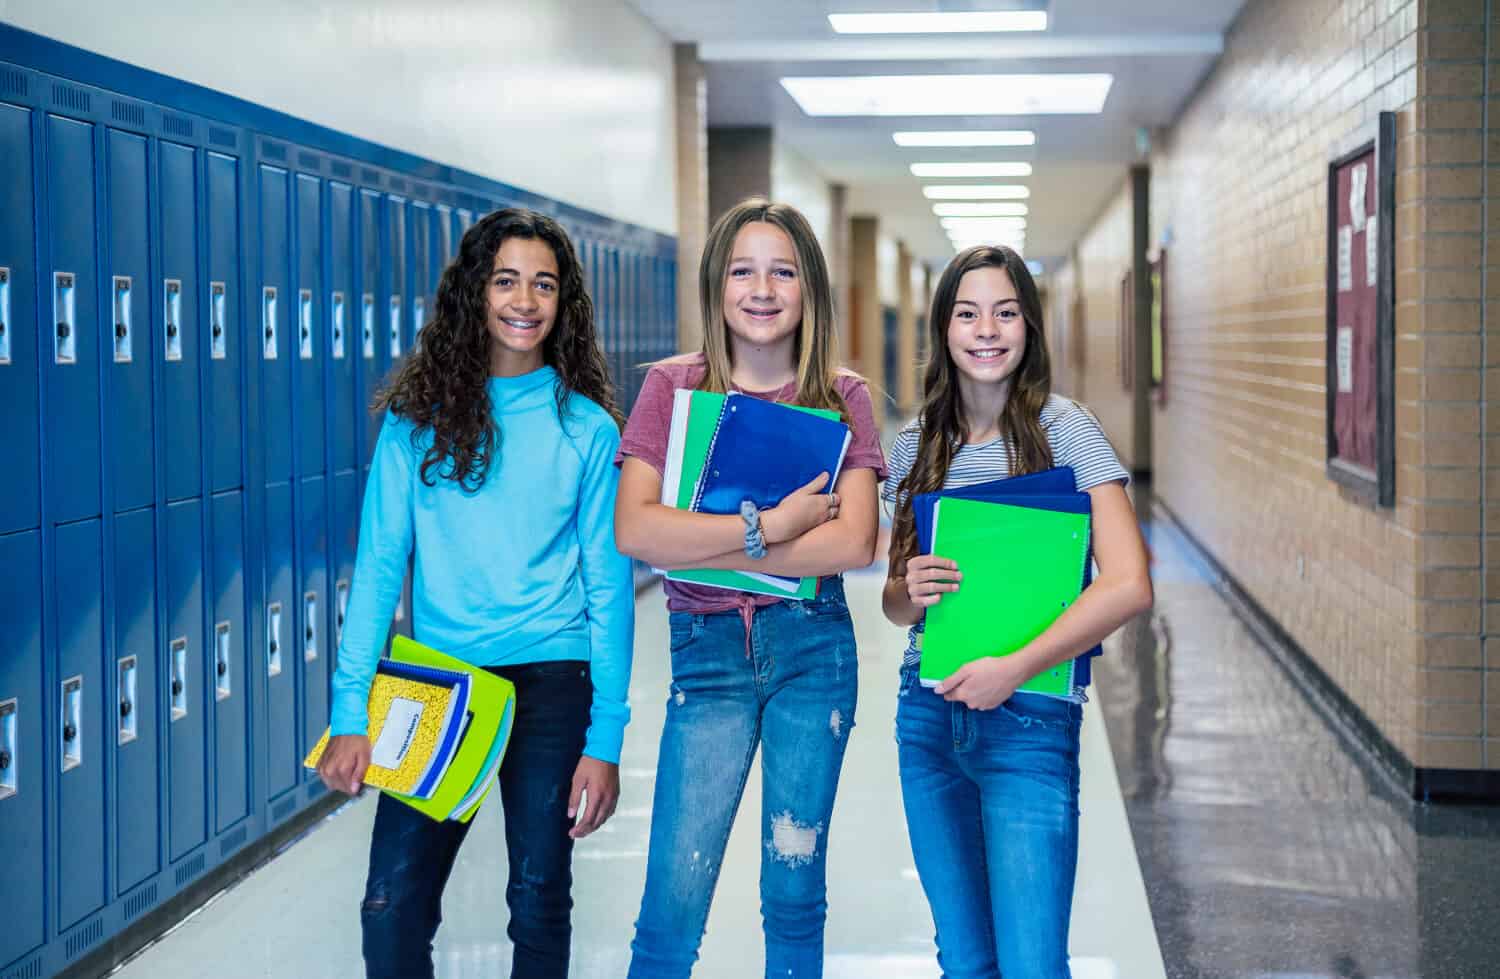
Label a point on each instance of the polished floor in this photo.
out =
(1227, 832)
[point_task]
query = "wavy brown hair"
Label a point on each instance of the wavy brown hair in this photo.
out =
(942, 416)
(444, 383)
(816, 349)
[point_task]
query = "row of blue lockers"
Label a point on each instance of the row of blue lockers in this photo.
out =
(195, 313)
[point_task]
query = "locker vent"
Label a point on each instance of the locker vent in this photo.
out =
(68, 97)
(341, 170)
(222, 137)
(283, 809)
(27, 970)
(370, 176)
(12, 81)
(233, 841)
(189, 869)
(140, 901)
(309, 161)
(84, 937)
(128, 112)
(421, 190)
(177, 126)
(397, 183)
(272, 151)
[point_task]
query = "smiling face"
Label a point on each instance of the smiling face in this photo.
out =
(762, 287)
(521, 301)
(987, 333)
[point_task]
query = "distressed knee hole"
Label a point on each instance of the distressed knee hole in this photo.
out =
(836, 723)
(678, 697)
(793, 843)
(374, 905)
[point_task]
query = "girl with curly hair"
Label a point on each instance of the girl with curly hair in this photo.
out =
(494, 475)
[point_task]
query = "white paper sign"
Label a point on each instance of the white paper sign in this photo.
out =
(1372, 253)
(1344, 358)
(1357, 179)
(1346, 258)
(395, 737)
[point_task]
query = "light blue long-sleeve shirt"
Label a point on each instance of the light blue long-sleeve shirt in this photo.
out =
(524, 570)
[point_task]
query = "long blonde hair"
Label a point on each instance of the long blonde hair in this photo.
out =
(816, 346)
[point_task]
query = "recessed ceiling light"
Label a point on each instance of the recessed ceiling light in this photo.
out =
(1008, 237)
(940, 23)
(983, 225)
(1008, 169)
(973, 137)
(949, 95)
(976, 192)
(965, 210)
(1019, 246)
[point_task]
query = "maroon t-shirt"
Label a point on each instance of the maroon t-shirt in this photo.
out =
(650, 424)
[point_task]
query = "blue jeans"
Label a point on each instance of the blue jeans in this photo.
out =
(794, 693)
(411, 855)
(992, 808)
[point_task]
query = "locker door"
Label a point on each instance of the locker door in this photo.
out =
(184, 678)
(421, 261)
(312, 606)
(307, 312)
(229, 665)
(177, 308)
(79, 721)
(20, 491)
(137, 795)
(374, 352)
(274, 306)
(23, 730)
(130, 348)
(342, 317)
(282, 761)
(72, 441)
(400, 279)
(345, 541)
(225, 333)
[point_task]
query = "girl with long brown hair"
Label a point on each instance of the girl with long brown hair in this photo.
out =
(989, 774)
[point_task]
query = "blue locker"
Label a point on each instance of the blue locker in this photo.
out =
(79, 721)
(343, 407)
(400, 281)
(177, 309)
(184, 678)
(282, 760)
(225, 335)
(345, 543)
(229, 666)
(23, 714)
(423, 283)
(374, 350)
(127, 269)
(274, 306)
(312, 608)
(137, 795)
(20, 491)
(72, 441)
(310, 346)
(443, 240)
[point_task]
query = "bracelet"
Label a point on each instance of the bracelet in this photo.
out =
(755, 538)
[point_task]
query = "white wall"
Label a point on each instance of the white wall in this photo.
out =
(888, 270)
(794, 181)
(571, 99)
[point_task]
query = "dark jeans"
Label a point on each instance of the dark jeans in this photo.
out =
(411, 855)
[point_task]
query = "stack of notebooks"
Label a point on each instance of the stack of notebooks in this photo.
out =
(724, 449)
(1022, 545)
(438, 729)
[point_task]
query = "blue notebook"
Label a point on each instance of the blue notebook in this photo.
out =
(763, 451)
(1050, 489)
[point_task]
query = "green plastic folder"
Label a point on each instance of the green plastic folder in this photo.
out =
(1021, 568)
(492, 701)
(702, 421)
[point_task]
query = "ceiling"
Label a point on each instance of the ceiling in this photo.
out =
(1157, 51)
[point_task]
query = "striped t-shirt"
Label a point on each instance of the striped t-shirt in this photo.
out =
(1073, 434)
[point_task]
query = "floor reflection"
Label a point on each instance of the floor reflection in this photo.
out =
(1268, 847)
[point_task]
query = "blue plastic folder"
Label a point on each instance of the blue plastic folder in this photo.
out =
(1050, 489)
(763, 451)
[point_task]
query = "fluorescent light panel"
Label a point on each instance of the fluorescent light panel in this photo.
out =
(949, 95)
(972, 137)
(970, 210)
(957, 22)
(976, 192)
(951, 170)
(982, 225)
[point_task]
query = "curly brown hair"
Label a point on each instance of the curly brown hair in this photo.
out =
(443, 384)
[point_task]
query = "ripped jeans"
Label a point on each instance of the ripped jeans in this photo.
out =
(411, 855)
(794, 693)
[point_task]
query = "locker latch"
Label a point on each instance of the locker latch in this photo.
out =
(338, 326)
(419, 318)
(4, 315)
(179, 689)
(221, 661)
(273, 639)
(367, 321)
(128, 727)
(340, 609)
(65, 345)
(395, 327)
(310, 626)
(8, 783)
(172, 311)
(268, 323)
(72, 716)
(305, 324)
(123, 345)
(218, 329)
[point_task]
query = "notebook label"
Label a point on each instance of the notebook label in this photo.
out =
(394, 742)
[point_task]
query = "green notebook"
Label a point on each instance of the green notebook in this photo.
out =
(695, 417)
(1022, 567)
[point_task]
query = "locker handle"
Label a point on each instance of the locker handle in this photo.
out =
(273, 639)
(72, 712)
(222, 683)
(4, 314)
(217, 293)
(8, 783)
(172, 310)
(123, 353)
(64, 306)
(125, 708)
(268, 321)
(4, 760)
(70, 732)
(310, 634)
(177, 662)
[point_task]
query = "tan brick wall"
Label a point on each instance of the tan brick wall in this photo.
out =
(1101, 262)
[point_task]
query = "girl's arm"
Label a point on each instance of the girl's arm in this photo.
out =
(1120, 592)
